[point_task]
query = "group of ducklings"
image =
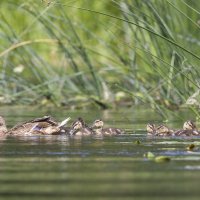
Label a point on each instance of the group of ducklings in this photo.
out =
(80, 128)
(48, 126)
(189, 129)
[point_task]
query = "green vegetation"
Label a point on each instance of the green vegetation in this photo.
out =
(109, 52)
(161, 159)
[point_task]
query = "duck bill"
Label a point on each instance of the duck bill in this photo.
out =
(64, 122)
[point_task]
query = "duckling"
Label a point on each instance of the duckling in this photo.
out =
(189, 125)
(98, 129)
(163, 130)
(189, 129)
(79, 128)
(3, 128)
(40, 126)
(151, 129)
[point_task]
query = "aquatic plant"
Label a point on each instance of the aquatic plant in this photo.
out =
(102, 53)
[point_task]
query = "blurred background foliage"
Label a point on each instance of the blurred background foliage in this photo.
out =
(107, 53)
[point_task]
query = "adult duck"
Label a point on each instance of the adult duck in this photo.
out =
(40, 126)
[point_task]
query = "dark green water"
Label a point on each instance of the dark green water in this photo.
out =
(59, 167)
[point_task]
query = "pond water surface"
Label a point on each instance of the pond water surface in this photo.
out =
(59, 167)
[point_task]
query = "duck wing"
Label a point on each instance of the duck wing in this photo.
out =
(30, 123)
(47, 119)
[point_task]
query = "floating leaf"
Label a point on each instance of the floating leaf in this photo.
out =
(150, 155)
(137, 142)
(191, 147)
(162, 159)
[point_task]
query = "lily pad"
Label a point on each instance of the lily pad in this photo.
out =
(150, 155)
(190, 147)
(162, 159)
(137, 142)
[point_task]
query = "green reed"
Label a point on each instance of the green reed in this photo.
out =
(104, 53)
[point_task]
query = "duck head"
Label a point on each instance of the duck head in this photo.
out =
(77, 125)
(151, 129)
(189, 125)
(97, 124)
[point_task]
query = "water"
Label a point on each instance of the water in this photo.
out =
(58, 167)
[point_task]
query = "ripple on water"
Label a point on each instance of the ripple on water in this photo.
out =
(99, 168)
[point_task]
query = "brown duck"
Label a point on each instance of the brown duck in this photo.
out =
(189, 129)
(151, 129)
(80, 128)
(160, 130)
(163, 130)
(40, 126)
(98, 129)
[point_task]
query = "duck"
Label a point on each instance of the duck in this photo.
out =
(3, 128)
(98, 129)
(160, 130)
(40, 126)
(189, 129)
(80, 128)
(190, 125)
(163, 130)
(151, 129)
